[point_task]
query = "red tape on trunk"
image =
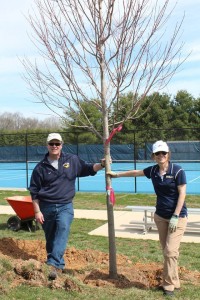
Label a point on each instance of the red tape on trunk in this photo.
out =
(111, 195)
(117, 129)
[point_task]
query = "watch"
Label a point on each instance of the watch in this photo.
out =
(176, 216)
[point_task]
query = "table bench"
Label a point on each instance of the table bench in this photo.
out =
(148, 223)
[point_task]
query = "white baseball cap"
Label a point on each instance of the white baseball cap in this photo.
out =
(54, 136)
(160, 146)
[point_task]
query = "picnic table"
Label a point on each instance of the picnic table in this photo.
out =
(147, 223)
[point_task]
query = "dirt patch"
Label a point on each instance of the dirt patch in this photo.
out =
(27, 265)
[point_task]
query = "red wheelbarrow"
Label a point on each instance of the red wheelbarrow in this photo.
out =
(25, 216)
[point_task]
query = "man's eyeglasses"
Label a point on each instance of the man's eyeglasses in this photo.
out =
(54, 144)
(160, 152)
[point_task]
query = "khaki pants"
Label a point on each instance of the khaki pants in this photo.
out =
(170, 243)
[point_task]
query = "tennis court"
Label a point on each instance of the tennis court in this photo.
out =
(17, 175)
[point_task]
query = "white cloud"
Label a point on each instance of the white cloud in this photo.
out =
(10, 65)
(14, 27)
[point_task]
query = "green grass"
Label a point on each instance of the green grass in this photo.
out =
(144, 251)
(5, 194)
(33, 293)
(98, 200)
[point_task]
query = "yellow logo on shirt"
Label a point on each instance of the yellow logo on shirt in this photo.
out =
(66, 165)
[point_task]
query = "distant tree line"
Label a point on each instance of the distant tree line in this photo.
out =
(15, 129)
(161, 117)
(16, 122)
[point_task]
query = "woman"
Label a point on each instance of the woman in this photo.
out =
(169, 183)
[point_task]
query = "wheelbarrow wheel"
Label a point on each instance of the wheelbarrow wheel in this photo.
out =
(14, 223)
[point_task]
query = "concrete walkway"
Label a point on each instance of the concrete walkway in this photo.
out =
(130, 225)
(127, 224)
(6, 210)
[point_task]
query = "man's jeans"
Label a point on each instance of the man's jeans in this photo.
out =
(56, 226)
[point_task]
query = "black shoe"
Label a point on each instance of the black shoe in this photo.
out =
(53, 274)
(168, 293)
(160, 288)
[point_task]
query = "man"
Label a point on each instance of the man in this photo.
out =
(52, 188)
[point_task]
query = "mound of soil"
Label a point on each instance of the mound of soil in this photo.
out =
(27, 265)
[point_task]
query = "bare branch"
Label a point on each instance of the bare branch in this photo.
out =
(99, 50)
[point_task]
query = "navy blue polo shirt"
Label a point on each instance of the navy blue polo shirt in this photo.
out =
(58, 185)
(166, 189)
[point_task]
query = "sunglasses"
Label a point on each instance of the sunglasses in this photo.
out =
(160, 152)
(54, 144)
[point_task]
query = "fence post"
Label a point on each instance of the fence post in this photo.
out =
(77, 151)
(135, 160)
(26, 151)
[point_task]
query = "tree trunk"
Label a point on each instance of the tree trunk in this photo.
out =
(110, 214)
(111, 236)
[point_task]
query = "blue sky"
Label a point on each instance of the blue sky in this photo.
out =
(15, 43)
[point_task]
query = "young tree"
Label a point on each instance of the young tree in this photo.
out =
(99, 50)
